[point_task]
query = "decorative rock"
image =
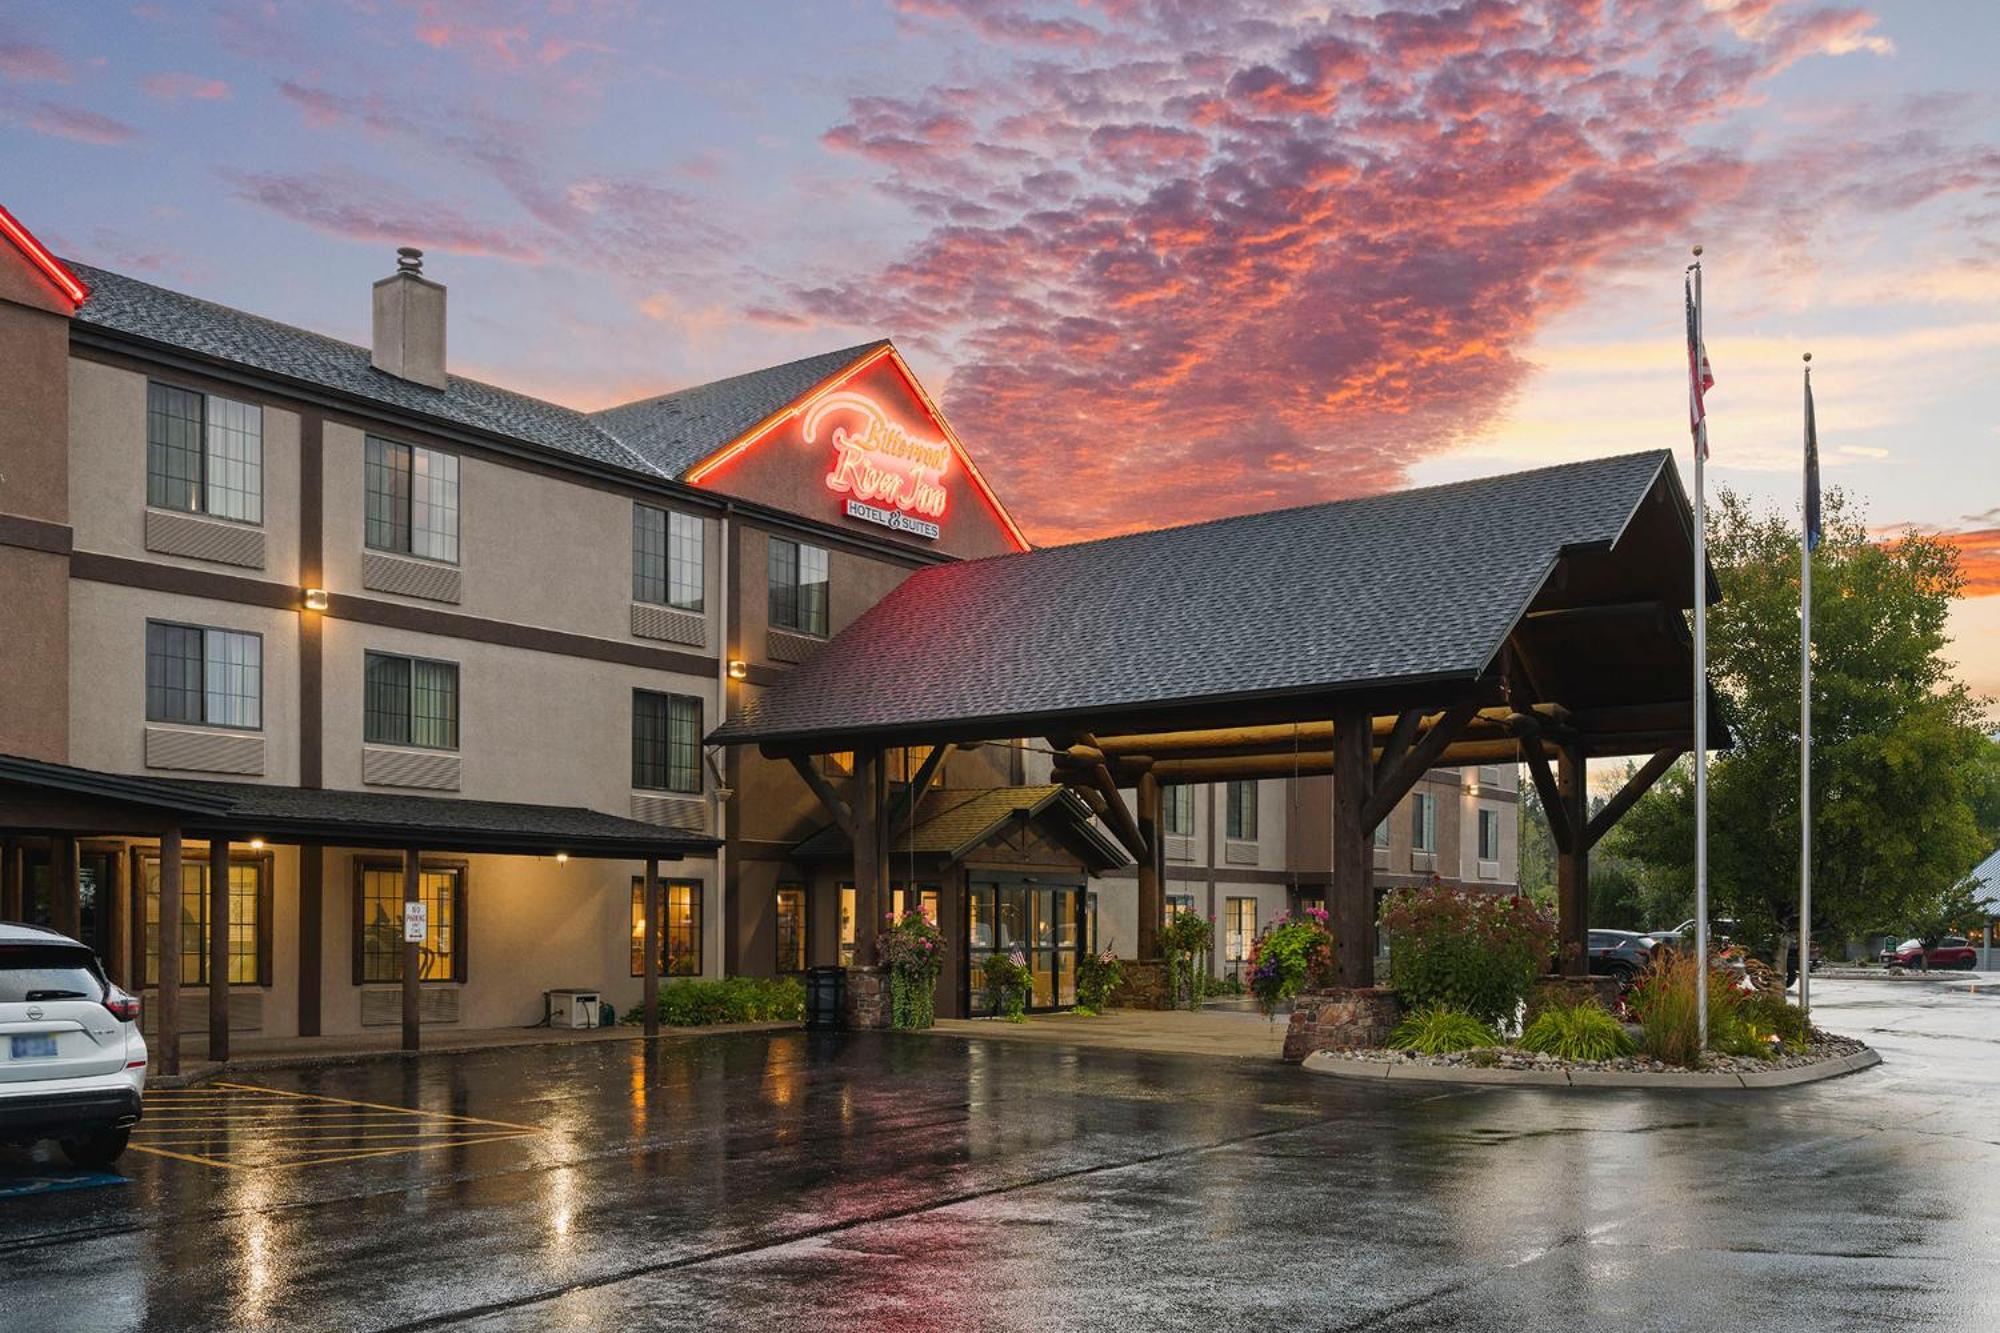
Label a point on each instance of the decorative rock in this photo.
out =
(1143, 985)
(1341, 1018)
(865, 1003)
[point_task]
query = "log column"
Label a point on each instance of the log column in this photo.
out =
(10, 880)
(871, 852)
(1573, 862)
(413, 961)
(1353, 887)
(649, 947)
(167, 1023)
(218, 949)
(1152, 899)
(65, 904)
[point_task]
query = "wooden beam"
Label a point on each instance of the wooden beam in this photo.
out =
(1415, 763)
(871, 852)
(1397, 744)
(1628, 795)
(1152, 900)
(167, 1020)
(412, 954)
(1606, 611)
(1116, 814)
(926, 774)
(1573, 866)
(65, 896)
(841, 813)
(1352, 889)
(1525, 660)
(218, 949)
(649, 945)
(1545, 785)
(1312, 763)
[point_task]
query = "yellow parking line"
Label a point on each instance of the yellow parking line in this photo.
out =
(378, 1106)
(185, 1157)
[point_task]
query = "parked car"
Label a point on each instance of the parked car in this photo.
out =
(1950, 951)
(72, 1060)
(1619, 953)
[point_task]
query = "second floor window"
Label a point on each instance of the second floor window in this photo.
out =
(204, 454)
(1489, 835)
(412, 500)
(1423, 822)
(798, 587)
(1177, 811)
(409, 701)
(213, 677)
(1382, 835)
(666, 558)
(1242, 819)
(666, 742)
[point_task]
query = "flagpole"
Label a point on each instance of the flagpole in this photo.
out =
(1808, 519)
(1700, 691)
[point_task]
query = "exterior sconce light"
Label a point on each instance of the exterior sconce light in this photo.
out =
(562, 858)
(739, 669)
(256, 844)
(315, 599)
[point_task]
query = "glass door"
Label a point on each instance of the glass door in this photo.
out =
(1045, 924)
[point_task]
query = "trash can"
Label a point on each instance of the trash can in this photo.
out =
(826, 990)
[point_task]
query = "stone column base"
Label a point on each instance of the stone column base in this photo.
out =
(865, 1002)
(1341, 1018)
(1143, 985)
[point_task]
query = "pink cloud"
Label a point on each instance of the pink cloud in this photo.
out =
(358, 208)
(180, 87)
(31, 62)
(65, 122)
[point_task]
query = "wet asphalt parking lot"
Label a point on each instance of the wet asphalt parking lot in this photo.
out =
(790, 1181)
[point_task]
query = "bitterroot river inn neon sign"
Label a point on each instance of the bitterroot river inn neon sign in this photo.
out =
(889, 476)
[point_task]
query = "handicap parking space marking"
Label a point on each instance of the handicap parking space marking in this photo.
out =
(13, 1187)
(239, 1126)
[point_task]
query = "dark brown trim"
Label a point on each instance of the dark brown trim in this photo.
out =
(700, 887)
(94, 567)
(312, 574)
(36, 534)
(459, 973)
(312, 935)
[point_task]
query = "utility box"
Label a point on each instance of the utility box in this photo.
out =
(571, 1008)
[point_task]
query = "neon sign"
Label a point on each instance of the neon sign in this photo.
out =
(888, 471)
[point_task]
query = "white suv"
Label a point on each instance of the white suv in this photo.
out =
(72, 1061)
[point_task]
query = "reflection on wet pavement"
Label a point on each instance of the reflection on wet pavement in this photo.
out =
(801, 1181)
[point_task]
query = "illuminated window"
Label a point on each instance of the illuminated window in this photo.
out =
(681, 948)
(791, 928)
(249, 894)
(378, 922)
(847, 925)
(1242, 817)
(1178, 903)
(1177, 811)
(409, 701)
(412, 500)
(209, 676)
(927, 902)
(204, 454)
(666, 742)
(666, 558)
(1239, 928)
(1423, 822)
(798, 587)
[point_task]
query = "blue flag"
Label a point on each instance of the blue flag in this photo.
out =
(1812, 472)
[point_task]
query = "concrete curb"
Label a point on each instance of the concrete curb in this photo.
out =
(1336, 1065)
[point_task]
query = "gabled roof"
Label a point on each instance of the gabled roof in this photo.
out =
(58, 274)
(1407, 587)
(954, 824)
(1986, 882)
(675, 431)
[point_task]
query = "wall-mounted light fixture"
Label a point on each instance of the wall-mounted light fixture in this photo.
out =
(256, 844)
(562, 858)
(315, 599)
(739, 669)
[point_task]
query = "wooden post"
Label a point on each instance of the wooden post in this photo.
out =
(167, 1021)
(1353, 886)
(218, 949)
(871, 858)
(1152, 899)
(1573, 864)
(65, 905)
(10, 880)
(312, 924)
(650, 948)
(412, 953)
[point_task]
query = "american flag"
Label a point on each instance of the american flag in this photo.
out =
(1700, 377)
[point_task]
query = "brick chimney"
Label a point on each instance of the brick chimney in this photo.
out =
(409, 322)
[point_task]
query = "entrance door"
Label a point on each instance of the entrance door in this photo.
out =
(1044, 922)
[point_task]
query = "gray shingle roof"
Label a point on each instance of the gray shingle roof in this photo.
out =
(1415, 584)
(661, 436)
(674, 431)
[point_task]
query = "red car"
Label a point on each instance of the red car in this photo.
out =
(1951, 951)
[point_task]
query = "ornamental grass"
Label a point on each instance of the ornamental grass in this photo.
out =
(1439, 1029)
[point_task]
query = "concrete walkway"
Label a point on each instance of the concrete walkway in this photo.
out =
(1173, 1032)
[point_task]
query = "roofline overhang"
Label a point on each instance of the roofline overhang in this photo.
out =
(110, 786)
(387, 836)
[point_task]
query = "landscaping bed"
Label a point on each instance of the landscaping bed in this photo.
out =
(1828, 1056)
(1825, 1046)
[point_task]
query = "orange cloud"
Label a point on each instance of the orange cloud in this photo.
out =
(1978, 559)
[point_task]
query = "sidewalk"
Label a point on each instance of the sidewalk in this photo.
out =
(1244, 1035)
(253, 1053)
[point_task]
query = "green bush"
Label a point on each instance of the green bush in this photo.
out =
(695, 1003)
(1436, 1029)
(1097, 976)
(1585, 1031)
(1773, 1013)
(1665, 1004)
(1479, 952)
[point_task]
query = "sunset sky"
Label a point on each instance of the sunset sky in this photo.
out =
(1160, 259)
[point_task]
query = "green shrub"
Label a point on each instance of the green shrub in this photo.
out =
(1585, 1031)
(1773, 1013)
(1665, 1004)
(696, 1003)
(1436, 1029)
(1295, 953)
(1185, 943)
(1480, 952)
(1097, 976)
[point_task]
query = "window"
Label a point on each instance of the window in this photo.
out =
(378, 922)
(1423, 823)
(204, 454)
(681, 949)
(792, 935)
(666, 558)
(409, 701)
(798, 587)
(1177, 811)
(210, 676)
(1242, 817)
(666, 742)
(1382, 835)
(838, 764)
(847, 925)
(1489, 835)
(249, 911)
(1239, 929)
(412, 500)
(927, 902)
(1090, 944)
(1178, 903)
